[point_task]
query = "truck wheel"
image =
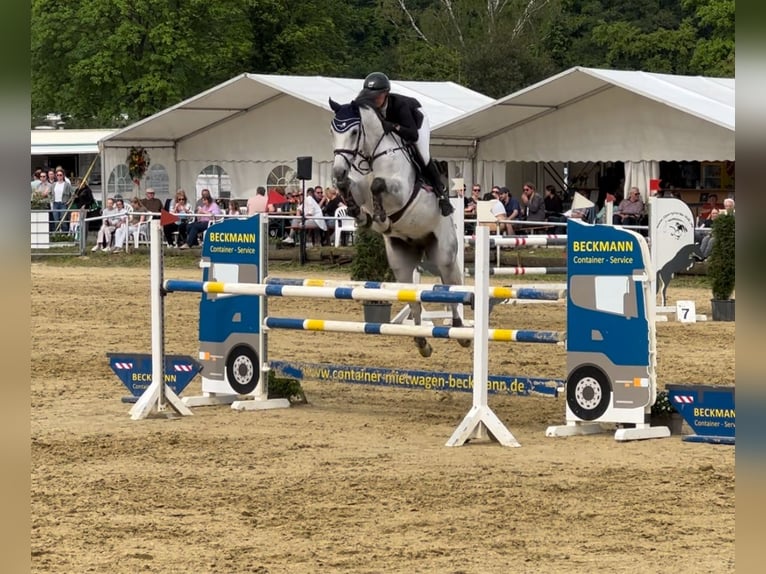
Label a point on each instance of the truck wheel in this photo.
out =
(242, 369)
(588, 393)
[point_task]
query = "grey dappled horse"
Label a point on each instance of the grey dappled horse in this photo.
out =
(376, 175)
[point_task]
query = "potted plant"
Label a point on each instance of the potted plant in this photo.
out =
(371, 264)
(665, 414)
(721, 267)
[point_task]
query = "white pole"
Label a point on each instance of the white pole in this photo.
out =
(158, 310)
(157, 397)
(480, 420)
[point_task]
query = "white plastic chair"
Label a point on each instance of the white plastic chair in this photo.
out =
(343, 223)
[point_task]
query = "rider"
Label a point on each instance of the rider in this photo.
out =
(404, 116)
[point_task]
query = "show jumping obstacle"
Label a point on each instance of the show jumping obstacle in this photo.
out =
(480, 422)
(609, 300)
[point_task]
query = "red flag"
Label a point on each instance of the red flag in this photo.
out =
(166, 218)
(275, 198)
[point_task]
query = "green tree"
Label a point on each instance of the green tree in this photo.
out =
(688, 37)
(494, 47)
(106, 63)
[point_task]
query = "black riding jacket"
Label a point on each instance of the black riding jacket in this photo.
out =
(404, 111)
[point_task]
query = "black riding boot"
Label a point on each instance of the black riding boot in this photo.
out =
(432, 173)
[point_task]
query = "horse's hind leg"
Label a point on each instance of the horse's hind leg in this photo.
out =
(403, 260)
(442, 252)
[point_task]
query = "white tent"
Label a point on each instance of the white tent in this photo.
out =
(249, 131)
(66, 142)
(586, 115)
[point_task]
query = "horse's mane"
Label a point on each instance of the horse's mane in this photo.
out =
(365, 100)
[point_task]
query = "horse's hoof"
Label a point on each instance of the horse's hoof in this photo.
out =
(465, 343)
(426, 350)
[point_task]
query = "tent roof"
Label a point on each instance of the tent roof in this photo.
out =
(58, 142)
(711, 100)
(443, 101)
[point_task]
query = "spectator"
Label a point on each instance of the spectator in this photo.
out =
(233, 208)
(333, 201)
(601, 215)
(469, 208)
(136, 217)
(205, 215)
(319, 196)
(83, 195)
(36, 179)
(554, 207)
(708, 206)
(706, 243)
(258, 203)
(150, 202)
(532, 203)
(176, 233)
(728, 205)
(111, 217)
(62, 193)
(313, 221)
(205, 193)
(44, 187)
(630, 210)
(512, 209)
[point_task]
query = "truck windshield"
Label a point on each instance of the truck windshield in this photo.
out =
(607, 294)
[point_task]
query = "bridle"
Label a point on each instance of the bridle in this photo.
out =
(355, 158)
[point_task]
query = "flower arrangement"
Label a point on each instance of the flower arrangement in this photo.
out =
(662, 406)
(138, 163)
(39, 201)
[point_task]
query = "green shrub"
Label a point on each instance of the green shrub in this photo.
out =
(721, 263)
(370, 262)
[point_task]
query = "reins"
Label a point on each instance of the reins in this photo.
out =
(364, 165)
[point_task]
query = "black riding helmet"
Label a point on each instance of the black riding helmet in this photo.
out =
(377, 82)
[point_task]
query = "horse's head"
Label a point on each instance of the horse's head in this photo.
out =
(346, 129)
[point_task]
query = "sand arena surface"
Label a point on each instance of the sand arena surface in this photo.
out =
(358, 480)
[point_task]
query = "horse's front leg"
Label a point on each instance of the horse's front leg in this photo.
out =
(378, 187)
(349, 191)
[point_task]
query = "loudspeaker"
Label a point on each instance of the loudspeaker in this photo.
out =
(304, 167)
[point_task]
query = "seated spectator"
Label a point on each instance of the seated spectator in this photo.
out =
(512, 210)
(136, 216)
(532, 203)
(205, 193)
(206, 213)
(728, 205)
(312, 214)
(630, 210)
(706, 243)
(181, 208)
(258, 203)
(601, 215)
(233, 208)
(332, 202)
(109, 224)
(708, 206)
(469, 208)
(554, 207)
(151, 203)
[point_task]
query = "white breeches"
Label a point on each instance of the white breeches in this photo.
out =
(424, 140)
